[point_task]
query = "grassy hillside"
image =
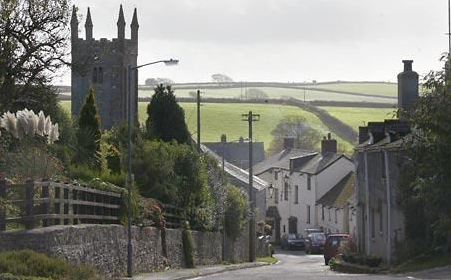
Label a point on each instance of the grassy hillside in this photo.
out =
(275, 93)
(356, 117)
(382, 89)
(219, 118)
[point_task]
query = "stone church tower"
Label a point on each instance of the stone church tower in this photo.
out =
(102, 64)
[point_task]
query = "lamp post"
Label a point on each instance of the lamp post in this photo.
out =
(271, 190)
(129, 161)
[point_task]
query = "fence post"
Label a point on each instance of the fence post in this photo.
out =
(29, 204)
(46, 205)
(3, 209)
(70, 210)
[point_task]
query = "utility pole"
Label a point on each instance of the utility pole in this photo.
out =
(198, 120)
(129, 173)
(250, 118)
(449, 28)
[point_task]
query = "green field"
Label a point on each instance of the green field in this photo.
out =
(381, 89)
(220, 118)
(355, 117)
(275, 93)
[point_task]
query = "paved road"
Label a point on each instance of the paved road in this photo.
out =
(297, 265)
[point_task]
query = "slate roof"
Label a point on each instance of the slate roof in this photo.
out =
(236, 172)
(319, 163)
(281, 160)
(338, 196)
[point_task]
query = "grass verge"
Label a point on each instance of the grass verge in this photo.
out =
(269, 260)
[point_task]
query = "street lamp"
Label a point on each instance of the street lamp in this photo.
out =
(130, 68)
(271, 190)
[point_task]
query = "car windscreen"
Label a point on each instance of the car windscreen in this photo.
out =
(292, 236)
(319, 237)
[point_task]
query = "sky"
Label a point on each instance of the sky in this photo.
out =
(279, 40)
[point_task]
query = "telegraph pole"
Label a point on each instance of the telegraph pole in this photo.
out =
(198, 120)
(250, 118)
(449, 28)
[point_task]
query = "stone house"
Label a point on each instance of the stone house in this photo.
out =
(378, 161)
(237, 153)
(299, 179)
(335, 208)
(102, 64)
(240, 178)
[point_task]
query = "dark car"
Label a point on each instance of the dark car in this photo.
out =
(292, 241)
(333, 241)
(314, 243)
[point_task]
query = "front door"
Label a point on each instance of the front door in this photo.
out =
(292, 225)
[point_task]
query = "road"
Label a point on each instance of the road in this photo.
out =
(297, 265)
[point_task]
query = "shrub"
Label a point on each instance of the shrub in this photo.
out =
(188, 247)
(373, 261)
(26, 265)
(235, 212)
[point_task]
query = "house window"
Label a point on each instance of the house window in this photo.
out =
(336, 215)
(276, 196)
(276, 175)
(286, 191)
(296, 194)
(284, 229)
(379, 206)
(328, 211)
(322, 213)
(308, 214)
(309, 182)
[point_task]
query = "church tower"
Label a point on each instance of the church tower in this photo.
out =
(102, 64)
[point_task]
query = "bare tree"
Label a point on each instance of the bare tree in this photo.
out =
(33, 48)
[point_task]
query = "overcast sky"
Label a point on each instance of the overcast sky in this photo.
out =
(279, 40)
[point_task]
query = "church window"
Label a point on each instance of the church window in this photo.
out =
(94, 75)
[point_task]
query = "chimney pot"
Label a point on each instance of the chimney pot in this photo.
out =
(288, 143)
(407, 65)
(328, 145)
(223, 138)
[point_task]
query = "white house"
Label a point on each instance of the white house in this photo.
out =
(299, 179)
(335, 208)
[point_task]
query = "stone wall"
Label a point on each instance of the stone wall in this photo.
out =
(105, 246)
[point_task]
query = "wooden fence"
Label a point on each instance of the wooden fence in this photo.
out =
(173, 216)
(42, 204)
(53, 203)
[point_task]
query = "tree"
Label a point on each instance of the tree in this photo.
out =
(235, 212)
(424, 187)
(221, 78)
(89, 134)
(156, 81)
(256, 94)
(305, 137)
(33, 47)
(166, 119)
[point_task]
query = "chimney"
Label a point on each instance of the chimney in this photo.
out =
(288, 143)
(363, 134)
(328, 145)
(407, 87)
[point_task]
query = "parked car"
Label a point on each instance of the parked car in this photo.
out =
(292, 241)
(312, 230)
(314, 243)
(333, 241)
